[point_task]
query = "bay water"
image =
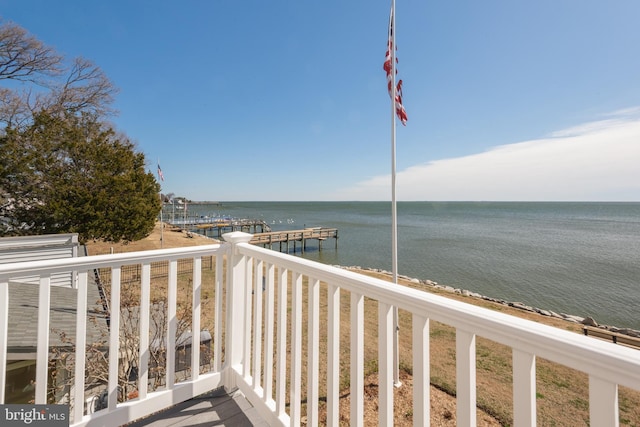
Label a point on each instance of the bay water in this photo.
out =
(574, 258)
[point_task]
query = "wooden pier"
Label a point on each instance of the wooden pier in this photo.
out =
(217, 227)
(262, 234)
(285, 238)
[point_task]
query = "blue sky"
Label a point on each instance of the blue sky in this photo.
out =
(286, 100)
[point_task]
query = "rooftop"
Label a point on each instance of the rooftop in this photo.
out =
(23, 317)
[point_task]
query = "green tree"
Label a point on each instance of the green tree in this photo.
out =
(72, 173)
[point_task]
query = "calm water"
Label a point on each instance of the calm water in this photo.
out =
(577, 258)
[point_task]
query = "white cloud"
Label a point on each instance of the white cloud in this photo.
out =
(596, 161)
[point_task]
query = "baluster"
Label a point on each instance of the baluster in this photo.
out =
(114, 338)
(603, 403)
(524, 388)
(466, 378)
(145, 304)
(217, 327)
(42, 357)
(172, 323)
(421, 371)
(281, 355)
(268, 334)
(385, 364)
(195, 316)
(81, 342)
(296, 349)
(357, 359)
(333, 356)
(313, 361)
(246, 332)
(257, 324)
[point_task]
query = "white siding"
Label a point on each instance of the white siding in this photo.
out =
(38, 248)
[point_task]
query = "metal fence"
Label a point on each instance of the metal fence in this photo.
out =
(159, 270)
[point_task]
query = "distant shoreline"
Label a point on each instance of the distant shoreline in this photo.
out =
(204, 203)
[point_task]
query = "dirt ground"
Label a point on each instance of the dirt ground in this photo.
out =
(169, 237)
(443, 405)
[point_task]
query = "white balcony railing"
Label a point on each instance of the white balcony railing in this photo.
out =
(263, 348)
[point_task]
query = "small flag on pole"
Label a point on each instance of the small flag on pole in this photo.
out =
(160, 174)
(388, 68)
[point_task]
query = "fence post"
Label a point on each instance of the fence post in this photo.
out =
(235, 322)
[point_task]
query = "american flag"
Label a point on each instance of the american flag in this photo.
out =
(160, 174)
(400, 111)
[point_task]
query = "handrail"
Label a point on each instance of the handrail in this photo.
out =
(607, 365)
(546, 341)
(263, 358)
(147, 401)
(107, 260)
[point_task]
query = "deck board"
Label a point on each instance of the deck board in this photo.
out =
(216, 408)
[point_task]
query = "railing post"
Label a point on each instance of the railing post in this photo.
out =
(235, 324)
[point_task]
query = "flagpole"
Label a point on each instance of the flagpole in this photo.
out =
(161, 208)
(394, 219)
(161, 223)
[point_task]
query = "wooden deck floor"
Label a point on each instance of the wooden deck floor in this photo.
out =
(211, 409)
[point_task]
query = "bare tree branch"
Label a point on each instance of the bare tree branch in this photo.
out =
(25, 58)
(46, 84)
(86, 88)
